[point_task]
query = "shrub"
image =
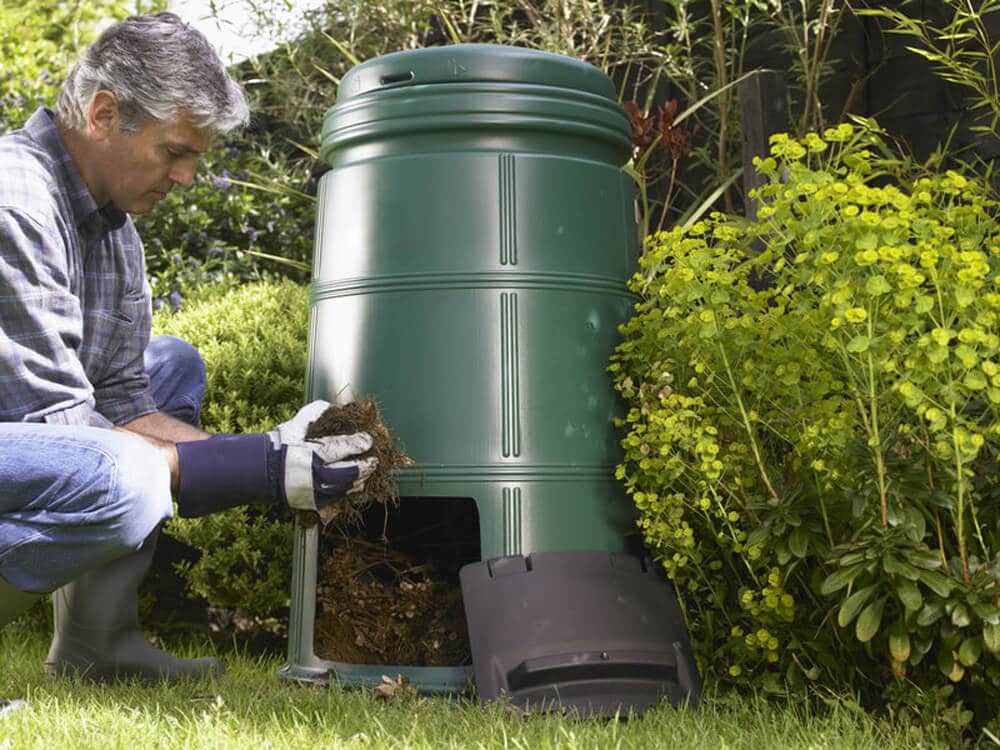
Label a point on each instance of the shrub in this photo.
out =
(253, 340)
(813, 425)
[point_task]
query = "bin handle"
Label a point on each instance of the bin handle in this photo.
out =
(589, 666)
(394, 79)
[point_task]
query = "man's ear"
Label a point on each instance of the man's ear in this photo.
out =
(103, 117)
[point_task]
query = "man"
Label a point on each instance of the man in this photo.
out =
(97, 422)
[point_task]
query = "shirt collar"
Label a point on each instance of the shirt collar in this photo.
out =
(93, 222)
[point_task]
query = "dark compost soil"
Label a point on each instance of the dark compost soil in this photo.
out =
(387, 584)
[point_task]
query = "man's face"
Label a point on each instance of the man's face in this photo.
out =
(142, 167)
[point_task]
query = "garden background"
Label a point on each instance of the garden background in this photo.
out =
(810, 396)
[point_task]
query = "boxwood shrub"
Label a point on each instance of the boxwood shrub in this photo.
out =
(253, 340)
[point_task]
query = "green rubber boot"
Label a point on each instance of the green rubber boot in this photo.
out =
(97, 633)
(13, 602)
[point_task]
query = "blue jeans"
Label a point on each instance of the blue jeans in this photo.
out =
(73, 497)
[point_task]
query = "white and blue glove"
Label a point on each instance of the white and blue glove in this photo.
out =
(280, 467)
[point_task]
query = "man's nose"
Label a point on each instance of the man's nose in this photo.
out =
(183, 172)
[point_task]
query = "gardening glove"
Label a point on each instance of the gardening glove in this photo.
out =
(318, 472)
(279, 467)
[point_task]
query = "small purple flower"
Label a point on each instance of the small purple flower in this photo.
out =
(158, 303)
(175, 300)
(221, 181)
(176, 259)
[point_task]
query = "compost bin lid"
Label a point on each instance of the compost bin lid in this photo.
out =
(473, 63)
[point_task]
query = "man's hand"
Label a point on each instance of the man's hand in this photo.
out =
(279, 467)
(320, 471)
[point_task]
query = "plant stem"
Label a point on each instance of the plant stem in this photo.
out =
(875, 436)
(747, 426)
(724, 100)
(956, 448)
(670, 194)
(823, 511)
(940, 534)
(959, 488)
(812, 106)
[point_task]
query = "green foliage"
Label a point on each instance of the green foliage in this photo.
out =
(706, 51)
(218, 230)
(814, 424)
(39, 40)
(293, 86)
(253, 340)
(961, 49)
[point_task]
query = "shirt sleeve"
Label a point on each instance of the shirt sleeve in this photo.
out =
(41, 328)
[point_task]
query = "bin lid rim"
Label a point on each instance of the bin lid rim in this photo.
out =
(469, 63)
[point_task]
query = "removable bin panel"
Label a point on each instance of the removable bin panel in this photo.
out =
(303, 663)
(596, 633)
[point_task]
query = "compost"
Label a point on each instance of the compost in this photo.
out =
(387, 580)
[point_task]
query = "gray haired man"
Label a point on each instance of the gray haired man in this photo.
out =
(98, 422)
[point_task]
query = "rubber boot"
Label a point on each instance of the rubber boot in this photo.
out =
(13, 602)
(97, 633)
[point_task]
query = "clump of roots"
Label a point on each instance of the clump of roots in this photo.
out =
(363, 416)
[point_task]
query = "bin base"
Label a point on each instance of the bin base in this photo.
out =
(427, 680)
(596, 633)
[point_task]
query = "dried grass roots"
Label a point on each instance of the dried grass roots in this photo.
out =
(364, 416)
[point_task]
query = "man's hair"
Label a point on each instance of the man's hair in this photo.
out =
(158, 67)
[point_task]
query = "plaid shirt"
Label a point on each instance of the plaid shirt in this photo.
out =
(74, 301)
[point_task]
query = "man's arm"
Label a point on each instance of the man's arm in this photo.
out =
(164, 432)
(41, 328)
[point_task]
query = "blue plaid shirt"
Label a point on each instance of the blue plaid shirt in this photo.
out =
(74, 301)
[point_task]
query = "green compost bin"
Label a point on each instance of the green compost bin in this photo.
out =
(474, 237)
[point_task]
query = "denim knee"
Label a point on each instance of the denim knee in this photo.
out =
(142, 491)
(177, 377)
(74, 498)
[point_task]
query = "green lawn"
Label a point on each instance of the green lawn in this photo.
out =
(251, 708)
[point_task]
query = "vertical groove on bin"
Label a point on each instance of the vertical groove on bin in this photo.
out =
(509, 376)
(512, 521)
(508, 211)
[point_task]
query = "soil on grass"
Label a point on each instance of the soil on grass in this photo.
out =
(381, 602)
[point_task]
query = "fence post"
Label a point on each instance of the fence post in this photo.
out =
(763, 112)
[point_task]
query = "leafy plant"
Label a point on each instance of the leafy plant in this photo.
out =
(703, 53)
(961, 48)
(39, 40)
(219, 231)
(814, 423)
(253, 341)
